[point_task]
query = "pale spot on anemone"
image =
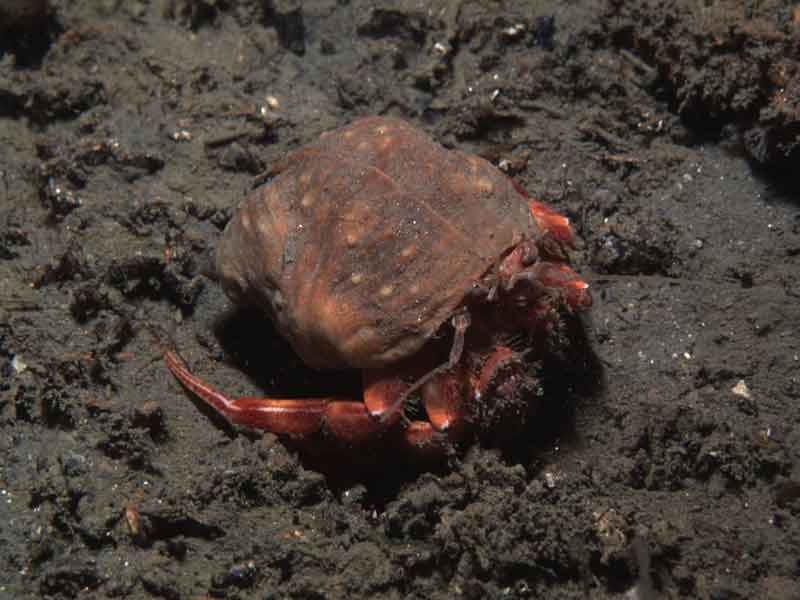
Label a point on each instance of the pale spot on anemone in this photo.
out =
(264, 227)
(356, 278)
(245, 219)
(363, 338)
(483, 185)
(386, 291)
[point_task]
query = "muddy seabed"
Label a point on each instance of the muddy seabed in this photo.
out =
(663, 462)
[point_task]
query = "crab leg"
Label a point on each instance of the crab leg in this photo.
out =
(557, 225)
(383, 396)
(549, 220)
(502, 366)
(444, 399)
(425, 441)
(447, 397)
(350, 421)
(347, 420)
(300, 416)
(546, 274)
(560, 276)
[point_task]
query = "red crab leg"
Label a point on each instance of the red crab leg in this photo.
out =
(347, 420)
(560, 276)
(502, 358)
(427, 441)
(283, 416)
(549, 220)
(546, 274)
(424, 440)
(555, 223)
(383, 396)
(444, 398)
(441, 401)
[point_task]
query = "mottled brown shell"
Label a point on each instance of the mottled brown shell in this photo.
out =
(367, 241)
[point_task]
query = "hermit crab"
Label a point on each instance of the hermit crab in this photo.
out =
(377, 249)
